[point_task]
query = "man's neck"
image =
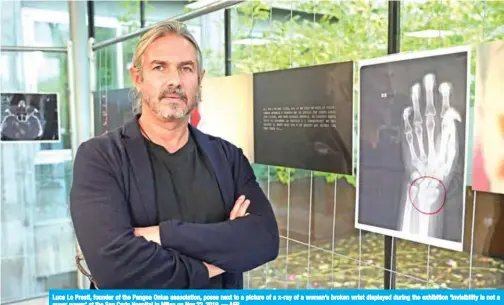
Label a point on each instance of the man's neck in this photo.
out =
(171, 134)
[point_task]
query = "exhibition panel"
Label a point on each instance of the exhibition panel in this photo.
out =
(488, 153)
(30, 117)
(113, 108)
(294, 103)
(226, 110)
(303, 117)
(412, 146)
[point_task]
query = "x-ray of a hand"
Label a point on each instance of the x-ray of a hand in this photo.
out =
(432, 163)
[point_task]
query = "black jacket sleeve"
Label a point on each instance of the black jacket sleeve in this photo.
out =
(116, 258)
(238, 245)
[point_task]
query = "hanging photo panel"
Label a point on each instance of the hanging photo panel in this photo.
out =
(303, 117)
(30, 117)
(112, 109)
(488, 152)
(413, 111)
(226, 111)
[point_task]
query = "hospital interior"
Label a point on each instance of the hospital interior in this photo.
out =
(80, 50)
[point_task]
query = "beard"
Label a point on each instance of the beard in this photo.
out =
(173, 110)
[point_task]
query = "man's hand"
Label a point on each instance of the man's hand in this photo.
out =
(149, 233)
(431, 165)
(213, 270)
(240, 208)
(152, 234)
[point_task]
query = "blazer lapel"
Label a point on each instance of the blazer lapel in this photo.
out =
(220, 167)
(141, 165)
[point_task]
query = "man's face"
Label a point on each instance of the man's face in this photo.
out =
(168, 82)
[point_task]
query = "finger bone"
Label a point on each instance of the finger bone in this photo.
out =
(429, 93)
(415, 97)
(419, 134)
(408, 132)
(414, 158)
(406, 115)
(452, 115)
(446, 127)
(451, 153)
(445, 89)
(431, 125)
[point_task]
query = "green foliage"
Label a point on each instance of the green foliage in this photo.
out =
(285, 175)
(331, 178)
(319, 32)
(352, 30)
(459, 23)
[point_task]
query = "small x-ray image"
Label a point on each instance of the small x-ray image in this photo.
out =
(30, 117)
(412, 146)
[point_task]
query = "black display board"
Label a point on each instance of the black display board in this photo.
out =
(303, 117)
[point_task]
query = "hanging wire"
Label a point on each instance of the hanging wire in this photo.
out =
(471, 251)
(310, 215)
(79, 258)
(288, 169)
(268, 166)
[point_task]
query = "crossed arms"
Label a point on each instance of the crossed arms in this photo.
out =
(185, 255)
(153, 233)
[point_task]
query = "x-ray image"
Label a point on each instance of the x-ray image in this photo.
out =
(30, 117)
(412, 146)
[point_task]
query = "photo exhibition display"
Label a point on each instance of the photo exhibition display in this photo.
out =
(112, 109)
(488, 148)
(226, 109)
(303, 117)
(30, 117)
(412, 135)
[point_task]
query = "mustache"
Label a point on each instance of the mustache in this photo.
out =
(171, 90)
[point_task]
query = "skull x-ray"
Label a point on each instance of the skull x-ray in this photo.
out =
(412, 146)
(30, 117)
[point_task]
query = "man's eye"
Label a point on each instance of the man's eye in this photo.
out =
(160, 68)
(187, 69)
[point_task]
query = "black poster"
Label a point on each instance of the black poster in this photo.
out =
(112, 109)
(303, 118)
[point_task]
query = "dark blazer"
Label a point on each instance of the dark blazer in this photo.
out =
(113, 192)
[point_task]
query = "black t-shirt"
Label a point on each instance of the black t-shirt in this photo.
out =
(186, 188)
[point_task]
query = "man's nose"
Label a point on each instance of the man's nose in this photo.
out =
(173, 77)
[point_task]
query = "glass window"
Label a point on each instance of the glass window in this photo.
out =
(156, 10)
(38, 245)
(319, 245)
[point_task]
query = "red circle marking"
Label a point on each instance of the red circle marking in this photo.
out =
(444, 197)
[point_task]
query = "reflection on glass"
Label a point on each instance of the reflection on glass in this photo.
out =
(38, 245)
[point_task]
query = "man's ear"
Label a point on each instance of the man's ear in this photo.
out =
(201, 76)
(136, 76)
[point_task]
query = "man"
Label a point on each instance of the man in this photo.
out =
(156, 203)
